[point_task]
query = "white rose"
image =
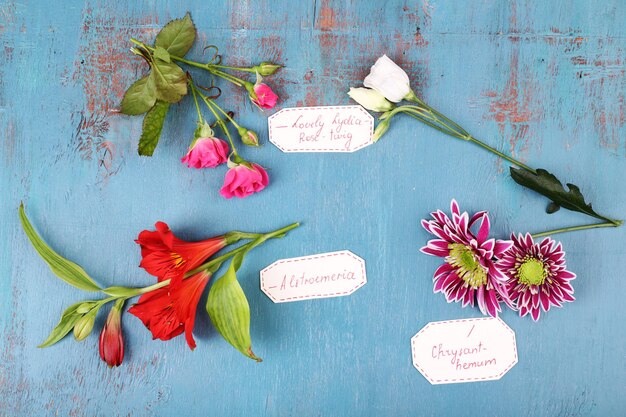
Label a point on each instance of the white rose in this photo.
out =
(389, 80)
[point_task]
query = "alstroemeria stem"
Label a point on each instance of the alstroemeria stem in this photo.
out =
(615, 223)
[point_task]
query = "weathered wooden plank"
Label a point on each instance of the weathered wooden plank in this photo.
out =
(542, 80)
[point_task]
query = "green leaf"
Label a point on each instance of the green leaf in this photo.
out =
(140, 97)
(68, 320)
(177, 36)
(229, 310)
(548, 185)
(65, 269)
(152, 126)
(170, 81)
(162, 54)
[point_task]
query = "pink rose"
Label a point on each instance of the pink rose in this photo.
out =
(206, 153)
(265, 97)
(243, 180)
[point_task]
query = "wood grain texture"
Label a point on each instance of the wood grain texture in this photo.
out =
(542, 80)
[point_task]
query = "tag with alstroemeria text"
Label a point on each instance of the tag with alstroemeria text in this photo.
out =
(332, 274)
(464, 350)
(321, 129)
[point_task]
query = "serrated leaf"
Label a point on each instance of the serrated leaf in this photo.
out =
(68, 319)
(170, 81)
(177, 36)
(152, 127)
(548, 185)
(162, 54)
(140, 97)
(229, 310)
(65, 269)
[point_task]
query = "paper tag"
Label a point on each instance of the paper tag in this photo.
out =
(331, 274)
(321, 129)
(464, 350)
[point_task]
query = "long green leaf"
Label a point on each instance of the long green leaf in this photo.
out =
(68, 319)
(65, 269)
(548, 185)
(177, 36)
(229, 310)
(152, 126)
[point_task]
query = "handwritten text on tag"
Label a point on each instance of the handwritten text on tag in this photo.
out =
(321, 129)
(464, 350)
(332, 274)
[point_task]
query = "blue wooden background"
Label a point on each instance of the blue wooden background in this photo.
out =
(542, 80)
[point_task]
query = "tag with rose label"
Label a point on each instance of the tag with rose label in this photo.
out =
(321, 129)
(332, 274)
(464, 350)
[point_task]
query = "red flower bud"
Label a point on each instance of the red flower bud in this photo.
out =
(111, 340)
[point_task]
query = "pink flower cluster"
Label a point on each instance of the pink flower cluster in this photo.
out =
(522, 274)
(206, 151)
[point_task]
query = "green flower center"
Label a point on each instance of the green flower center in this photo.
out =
(467, 266)
(531, 272)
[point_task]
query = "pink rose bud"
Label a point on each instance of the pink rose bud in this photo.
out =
(244, 179)
(206, 153)
(265, 97)
(248, 137)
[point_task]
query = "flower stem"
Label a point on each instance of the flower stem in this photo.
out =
(228, 77)
(210, 105)
(220, 122)
(615, 223)
(500, 154)
(252, 70)
(225, 113)
(195, 100)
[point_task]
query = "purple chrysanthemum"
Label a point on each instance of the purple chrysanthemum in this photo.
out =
(537, 275)
(470, 273)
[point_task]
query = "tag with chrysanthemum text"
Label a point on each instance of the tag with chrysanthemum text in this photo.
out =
(332, 274)
(321, 129)
(467, 350)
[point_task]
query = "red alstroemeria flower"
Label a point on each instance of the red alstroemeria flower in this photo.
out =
(169, 311)
(165, 256)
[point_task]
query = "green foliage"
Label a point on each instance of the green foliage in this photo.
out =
(152, 126)
(65, 269)
(548, 185)
(166, 83)
(229, 310)
(69, 318)
(170, 81)
(140, 97)
(177, 37)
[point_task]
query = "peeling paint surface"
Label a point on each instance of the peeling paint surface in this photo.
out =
(544, 81)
